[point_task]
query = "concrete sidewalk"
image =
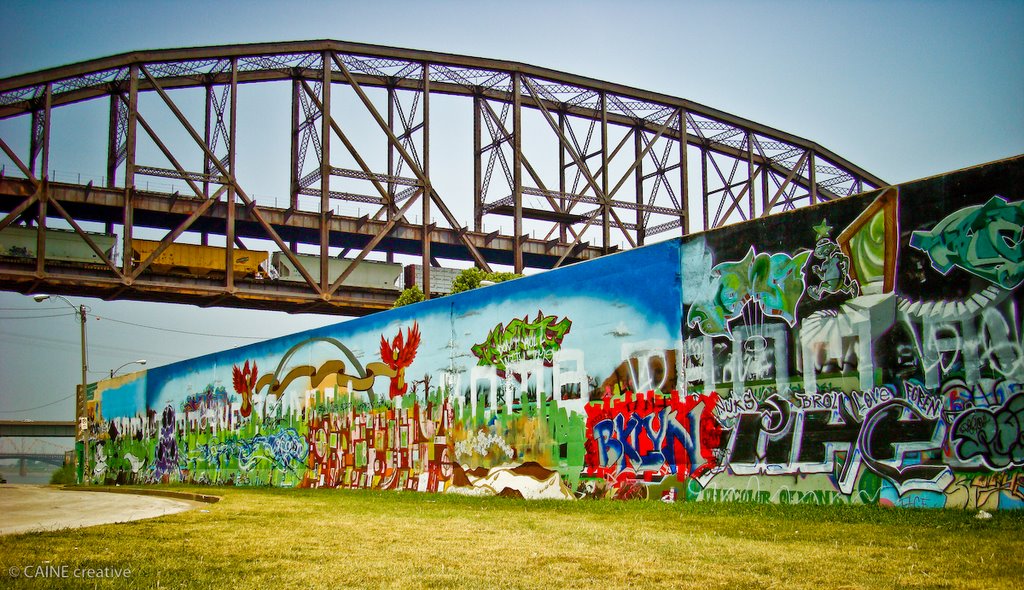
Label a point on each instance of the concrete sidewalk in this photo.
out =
(25, 508)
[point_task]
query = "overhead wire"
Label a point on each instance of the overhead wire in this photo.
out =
(60, 342)
(65, 343)
(179, 331)
(22, 309)
(37, 317)
(38, 407)
(72, 345)
(137, 325)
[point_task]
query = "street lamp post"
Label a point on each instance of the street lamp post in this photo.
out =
(81, 412)
(138, 362)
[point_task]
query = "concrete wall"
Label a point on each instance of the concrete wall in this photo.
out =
(867, 350)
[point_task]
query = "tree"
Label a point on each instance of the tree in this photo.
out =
(468, 279)
(409, 296)
(472, 277)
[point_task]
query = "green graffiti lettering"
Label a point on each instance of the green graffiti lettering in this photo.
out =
(522, 340)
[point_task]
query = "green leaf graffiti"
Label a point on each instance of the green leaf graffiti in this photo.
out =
(522, 340)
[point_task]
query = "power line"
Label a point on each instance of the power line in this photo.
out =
(37, 317)
(180, 331)
(73, 346)
(99, 317)
(37, 407)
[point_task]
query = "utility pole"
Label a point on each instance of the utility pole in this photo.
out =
(83, 406)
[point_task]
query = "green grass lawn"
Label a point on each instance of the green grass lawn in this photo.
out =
(271, 538)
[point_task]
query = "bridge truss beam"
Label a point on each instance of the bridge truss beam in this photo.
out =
(627, 166)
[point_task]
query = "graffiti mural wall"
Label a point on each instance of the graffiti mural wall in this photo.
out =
(867, 350)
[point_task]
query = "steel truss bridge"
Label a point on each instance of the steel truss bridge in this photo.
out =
(564, 168)
(13, 445)
(37, 428)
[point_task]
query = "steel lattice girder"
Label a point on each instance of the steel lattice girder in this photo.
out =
(378, 66)
(592, 122)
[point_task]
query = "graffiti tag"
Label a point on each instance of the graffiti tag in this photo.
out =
(771, 284)
(521, 340)
(985, 240)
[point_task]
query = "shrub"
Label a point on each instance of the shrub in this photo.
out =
(472, 277)
(64, 475)
(409, 296)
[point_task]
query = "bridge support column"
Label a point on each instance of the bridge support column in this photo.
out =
(478, 195)
(428, 188)
(684, 173)
(638, 178)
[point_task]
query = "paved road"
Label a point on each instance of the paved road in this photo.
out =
(41, 508)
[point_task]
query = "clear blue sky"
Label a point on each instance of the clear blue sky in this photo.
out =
(903, 89)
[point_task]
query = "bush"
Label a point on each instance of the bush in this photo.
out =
(64, 475)
(409, 296)
(472, 277)
(467, 280)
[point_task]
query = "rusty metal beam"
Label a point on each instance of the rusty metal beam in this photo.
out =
(479, 259)
(517, 171)
(325, 169)
(230, 179)
(250, 293)
(229, 226)
(164, 211)
(646, 118)
(428, 188)
(114, 66)
(360, 49)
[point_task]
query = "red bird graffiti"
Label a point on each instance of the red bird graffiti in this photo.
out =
(399, 355)
(245, 384)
